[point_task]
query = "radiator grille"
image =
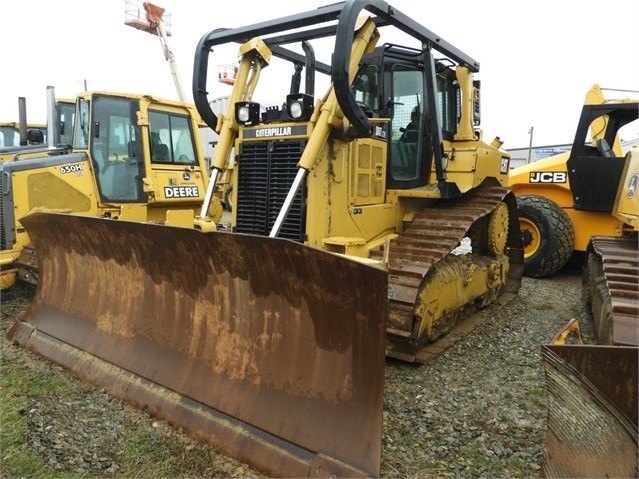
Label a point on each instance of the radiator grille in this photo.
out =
(266, 171)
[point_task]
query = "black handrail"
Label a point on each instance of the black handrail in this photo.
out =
(274, 34)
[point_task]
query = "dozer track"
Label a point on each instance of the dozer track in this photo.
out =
(426, 245)
(611, 282)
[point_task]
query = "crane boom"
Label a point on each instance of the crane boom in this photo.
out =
(155, 25)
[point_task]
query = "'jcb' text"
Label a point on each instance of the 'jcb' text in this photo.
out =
(181, 191)
(548, 177)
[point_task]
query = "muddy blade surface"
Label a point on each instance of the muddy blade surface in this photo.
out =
(592, 411)
(267, 349)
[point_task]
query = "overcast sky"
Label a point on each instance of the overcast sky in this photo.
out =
(537, 59)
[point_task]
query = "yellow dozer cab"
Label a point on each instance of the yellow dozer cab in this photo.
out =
(350, 241)
(133, 157)
(11, 135)
(566, 199)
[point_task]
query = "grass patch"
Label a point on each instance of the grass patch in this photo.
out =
(52, 423)
(17, 384)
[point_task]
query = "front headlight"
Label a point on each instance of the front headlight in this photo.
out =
(299, 106)
(247, 112)
(242, 114)
(296, 109)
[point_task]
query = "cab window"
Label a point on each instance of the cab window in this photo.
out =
(114, 146)
(81, 127)
(9, 136)
(407, 123)
(365, 88)
(171, 139)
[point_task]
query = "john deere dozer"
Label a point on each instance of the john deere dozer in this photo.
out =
(268, 341)
(132, 156)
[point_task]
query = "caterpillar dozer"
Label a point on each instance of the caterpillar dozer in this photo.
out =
(566, 199)
(133, 157)
(349, 242)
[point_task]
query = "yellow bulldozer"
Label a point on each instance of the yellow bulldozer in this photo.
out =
(585, 203)
(133, 157)
(353, 237)
(593, 387)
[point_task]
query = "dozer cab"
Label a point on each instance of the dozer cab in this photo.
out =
(133, 157)
(567, 198)
(350, 241)
(12, 135)
(24, 140)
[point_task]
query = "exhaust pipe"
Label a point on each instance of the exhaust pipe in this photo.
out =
(52, 131)
(22, 120)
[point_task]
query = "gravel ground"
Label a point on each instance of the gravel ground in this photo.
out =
(478, 410)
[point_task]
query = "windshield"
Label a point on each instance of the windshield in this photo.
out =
(81, 127)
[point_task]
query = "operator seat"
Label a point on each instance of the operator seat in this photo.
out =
(603, 148)
(161, 153)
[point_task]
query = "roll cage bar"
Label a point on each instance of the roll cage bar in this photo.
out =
(274, 34)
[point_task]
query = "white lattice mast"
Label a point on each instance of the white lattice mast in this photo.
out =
(156, 22)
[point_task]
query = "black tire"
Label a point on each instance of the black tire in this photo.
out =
(547, 234)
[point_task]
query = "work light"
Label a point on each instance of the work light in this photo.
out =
(299, 106)
(247, 112)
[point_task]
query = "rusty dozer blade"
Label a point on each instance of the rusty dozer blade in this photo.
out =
(592, 411)
(269, 350)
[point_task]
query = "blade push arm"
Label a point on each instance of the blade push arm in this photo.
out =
(255, 56)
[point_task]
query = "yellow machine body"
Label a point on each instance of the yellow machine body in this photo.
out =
(353, 237)
(112, 172)
(592, 388)
(566, 199)
(584, 222)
